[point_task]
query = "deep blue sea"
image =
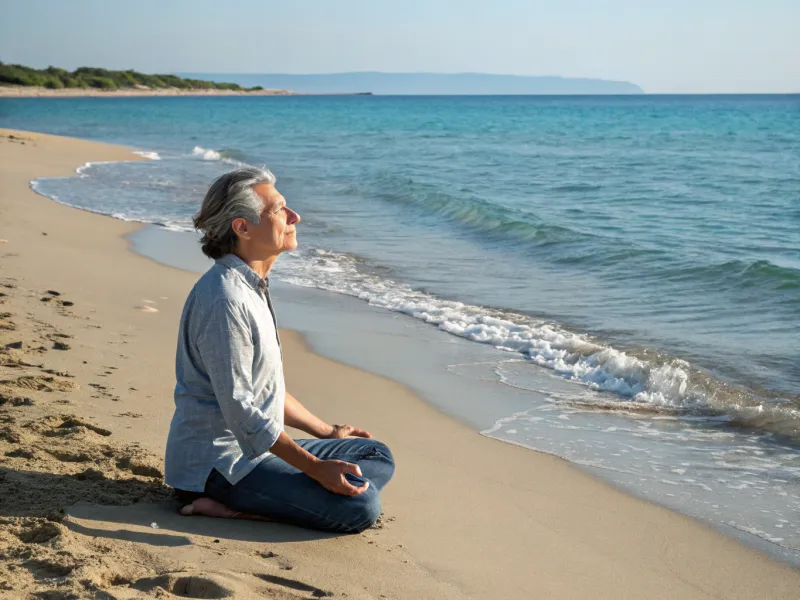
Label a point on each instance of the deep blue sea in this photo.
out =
(640, 252)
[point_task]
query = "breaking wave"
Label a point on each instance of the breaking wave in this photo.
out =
(635, 379)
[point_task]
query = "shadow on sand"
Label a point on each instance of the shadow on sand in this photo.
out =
(132, 503)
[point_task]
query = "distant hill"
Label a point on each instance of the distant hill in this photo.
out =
(425, 83)
(90, 77)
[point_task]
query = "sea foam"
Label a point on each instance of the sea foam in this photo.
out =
(147, 154)
(643, 380)
(206, 154)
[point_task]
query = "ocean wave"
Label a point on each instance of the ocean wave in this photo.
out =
(81, 171)
(641, 380)
(147, 154)
(473, 213)
(230, 156)
(739, 274)
(206, 154)
(576, 187)
(181, 227)
(756, 272)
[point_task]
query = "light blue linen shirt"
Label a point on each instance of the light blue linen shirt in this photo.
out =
(230, 391)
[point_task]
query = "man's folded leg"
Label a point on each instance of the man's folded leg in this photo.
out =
(276, 490)
(373, 457)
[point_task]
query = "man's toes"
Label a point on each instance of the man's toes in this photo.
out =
(206, 507)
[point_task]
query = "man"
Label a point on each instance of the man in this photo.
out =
(227, 452)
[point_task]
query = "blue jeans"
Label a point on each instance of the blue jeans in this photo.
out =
(277, 490)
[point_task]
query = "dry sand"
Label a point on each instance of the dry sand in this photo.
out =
(85, 402)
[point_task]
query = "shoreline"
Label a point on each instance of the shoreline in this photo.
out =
(495, 519)
(41, 92)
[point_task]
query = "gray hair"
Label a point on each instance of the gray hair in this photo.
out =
(230, 197)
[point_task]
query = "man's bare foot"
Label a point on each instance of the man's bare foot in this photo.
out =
(206, 507)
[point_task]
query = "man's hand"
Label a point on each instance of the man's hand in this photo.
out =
(298, 416)
(330, 474)
(343, 431)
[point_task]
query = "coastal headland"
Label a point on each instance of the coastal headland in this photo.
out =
(21, 81)
(43, 92)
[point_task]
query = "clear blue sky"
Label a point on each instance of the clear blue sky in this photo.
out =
(669, 46)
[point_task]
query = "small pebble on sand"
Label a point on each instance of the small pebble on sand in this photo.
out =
(147, 309)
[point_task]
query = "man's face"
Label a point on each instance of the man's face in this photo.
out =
(276, 231)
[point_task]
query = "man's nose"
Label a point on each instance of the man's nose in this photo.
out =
(293, 217)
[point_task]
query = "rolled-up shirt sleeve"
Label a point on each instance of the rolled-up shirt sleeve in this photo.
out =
(225, 344)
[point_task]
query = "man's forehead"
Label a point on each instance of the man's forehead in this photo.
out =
(272, 197)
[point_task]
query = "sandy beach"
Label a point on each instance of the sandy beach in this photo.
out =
(87, 338)
(18, 91)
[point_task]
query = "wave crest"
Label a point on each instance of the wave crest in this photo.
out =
(206, 154)
(147, 154)
(230, 156)
(472, 213)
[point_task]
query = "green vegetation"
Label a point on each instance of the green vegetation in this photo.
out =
(90, 77)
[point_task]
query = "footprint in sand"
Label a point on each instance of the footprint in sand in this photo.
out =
(132, 415)
(67, 456)
(186, 585)
(66, 425)
(21, 453)
(6, 398)
(54, 296)
(58, 373)
(40, 384)
(7, 434)
(283, 564)
(49, 569)
(40, 532)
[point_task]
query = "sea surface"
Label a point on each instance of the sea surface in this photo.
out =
(630, 265)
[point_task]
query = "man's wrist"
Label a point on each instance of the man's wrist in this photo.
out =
(325, 431)
(288, 450)
(311, 467)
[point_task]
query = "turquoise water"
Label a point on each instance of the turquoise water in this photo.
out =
(645, 249)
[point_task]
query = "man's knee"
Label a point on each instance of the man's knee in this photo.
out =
(382, 450)
(363, 511)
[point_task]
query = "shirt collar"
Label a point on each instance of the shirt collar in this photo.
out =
(236, 264)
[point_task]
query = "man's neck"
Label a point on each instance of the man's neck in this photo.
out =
(260, 265)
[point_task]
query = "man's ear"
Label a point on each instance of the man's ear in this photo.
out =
(239, 227)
